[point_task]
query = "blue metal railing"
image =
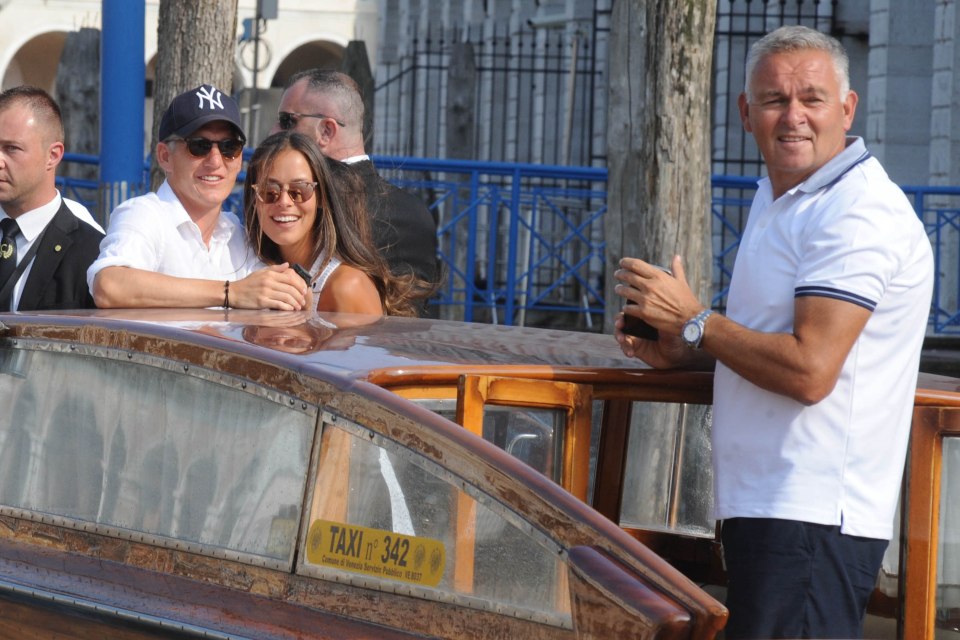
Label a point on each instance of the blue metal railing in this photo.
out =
(939, 208)
(516, 239)
(523, 243)
(81, 190)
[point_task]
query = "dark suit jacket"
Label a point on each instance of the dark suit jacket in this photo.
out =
(403, 228)
(58, 277)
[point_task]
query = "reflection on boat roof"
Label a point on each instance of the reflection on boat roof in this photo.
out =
(356, 344)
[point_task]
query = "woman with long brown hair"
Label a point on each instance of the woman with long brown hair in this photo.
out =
(295, 214)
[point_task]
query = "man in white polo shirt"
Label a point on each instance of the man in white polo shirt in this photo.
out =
(178, 247)
(816, 359)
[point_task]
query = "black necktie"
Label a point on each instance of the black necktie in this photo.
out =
(8, 256)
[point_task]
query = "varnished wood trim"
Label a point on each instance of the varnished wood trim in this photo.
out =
(447, 374)
(612, 458)
(630, 606)
(475, 392)
(921, 521)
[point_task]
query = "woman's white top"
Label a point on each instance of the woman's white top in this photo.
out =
(319, 280)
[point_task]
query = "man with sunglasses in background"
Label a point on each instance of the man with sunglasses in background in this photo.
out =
(327, 106)
(177, 247)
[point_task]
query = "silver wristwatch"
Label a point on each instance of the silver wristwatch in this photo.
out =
(692, 331)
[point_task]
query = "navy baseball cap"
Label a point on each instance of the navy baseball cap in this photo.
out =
(192, 109)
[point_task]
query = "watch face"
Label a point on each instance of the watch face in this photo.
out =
(691, 332)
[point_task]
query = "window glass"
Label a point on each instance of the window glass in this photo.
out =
(152, 448)
(534, 436)
(948, 564)
(596, 427)
(668, 482)
(888, 582)
(380, 517)
(446, 407)
(528, 434)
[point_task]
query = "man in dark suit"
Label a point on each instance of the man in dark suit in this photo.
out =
(327, 106)
(45, 249)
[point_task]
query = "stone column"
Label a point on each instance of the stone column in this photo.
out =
(945, 148)
(899, 87)
(78, 93)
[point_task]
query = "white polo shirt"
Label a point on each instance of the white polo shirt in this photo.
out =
(154, 232)
(848, 233)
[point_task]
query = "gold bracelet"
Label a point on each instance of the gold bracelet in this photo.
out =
(226, 294)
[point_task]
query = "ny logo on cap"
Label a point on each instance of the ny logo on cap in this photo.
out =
(211, 95)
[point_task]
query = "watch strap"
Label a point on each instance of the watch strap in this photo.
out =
(701, 321)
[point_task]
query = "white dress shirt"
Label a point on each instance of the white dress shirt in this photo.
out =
(154, 232)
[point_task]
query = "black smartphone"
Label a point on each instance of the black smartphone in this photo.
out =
(633, 326)
(303, 273)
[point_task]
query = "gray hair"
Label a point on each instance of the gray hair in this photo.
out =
(340, 87)
(798, 38)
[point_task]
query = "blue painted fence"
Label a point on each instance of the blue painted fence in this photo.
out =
(523, 244)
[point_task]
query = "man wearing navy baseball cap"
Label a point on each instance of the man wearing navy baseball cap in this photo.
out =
(177, 247)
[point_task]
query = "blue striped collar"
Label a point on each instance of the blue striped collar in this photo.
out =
(838, 166)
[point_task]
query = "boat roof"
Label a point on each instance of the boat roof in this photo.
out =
(354, 345)
(381, 349)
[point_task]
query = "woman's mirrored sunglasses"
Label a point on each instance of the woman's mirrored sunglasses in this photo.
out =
(229, 148)
(298, 192)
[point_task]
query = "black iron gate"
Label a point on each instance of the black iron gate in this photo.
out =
(536, 95)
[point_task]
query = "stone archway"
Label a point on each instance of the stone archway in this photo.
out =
(36, 62)
(260, 107)
(316, 54)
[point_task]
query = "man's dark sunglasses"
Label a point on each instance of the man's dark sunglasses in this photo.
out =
(200, 147)
(288, 120)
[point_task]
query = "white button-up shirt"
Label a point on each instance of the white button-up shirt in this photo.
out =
(154, 232)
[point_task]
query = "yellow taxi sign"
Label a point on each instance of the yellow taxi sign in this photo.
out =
(375, 552)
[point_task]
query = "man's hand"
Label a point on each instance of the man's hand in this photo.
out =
(666, 352)
(664, 301)
(274, 287)
(803, 364)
